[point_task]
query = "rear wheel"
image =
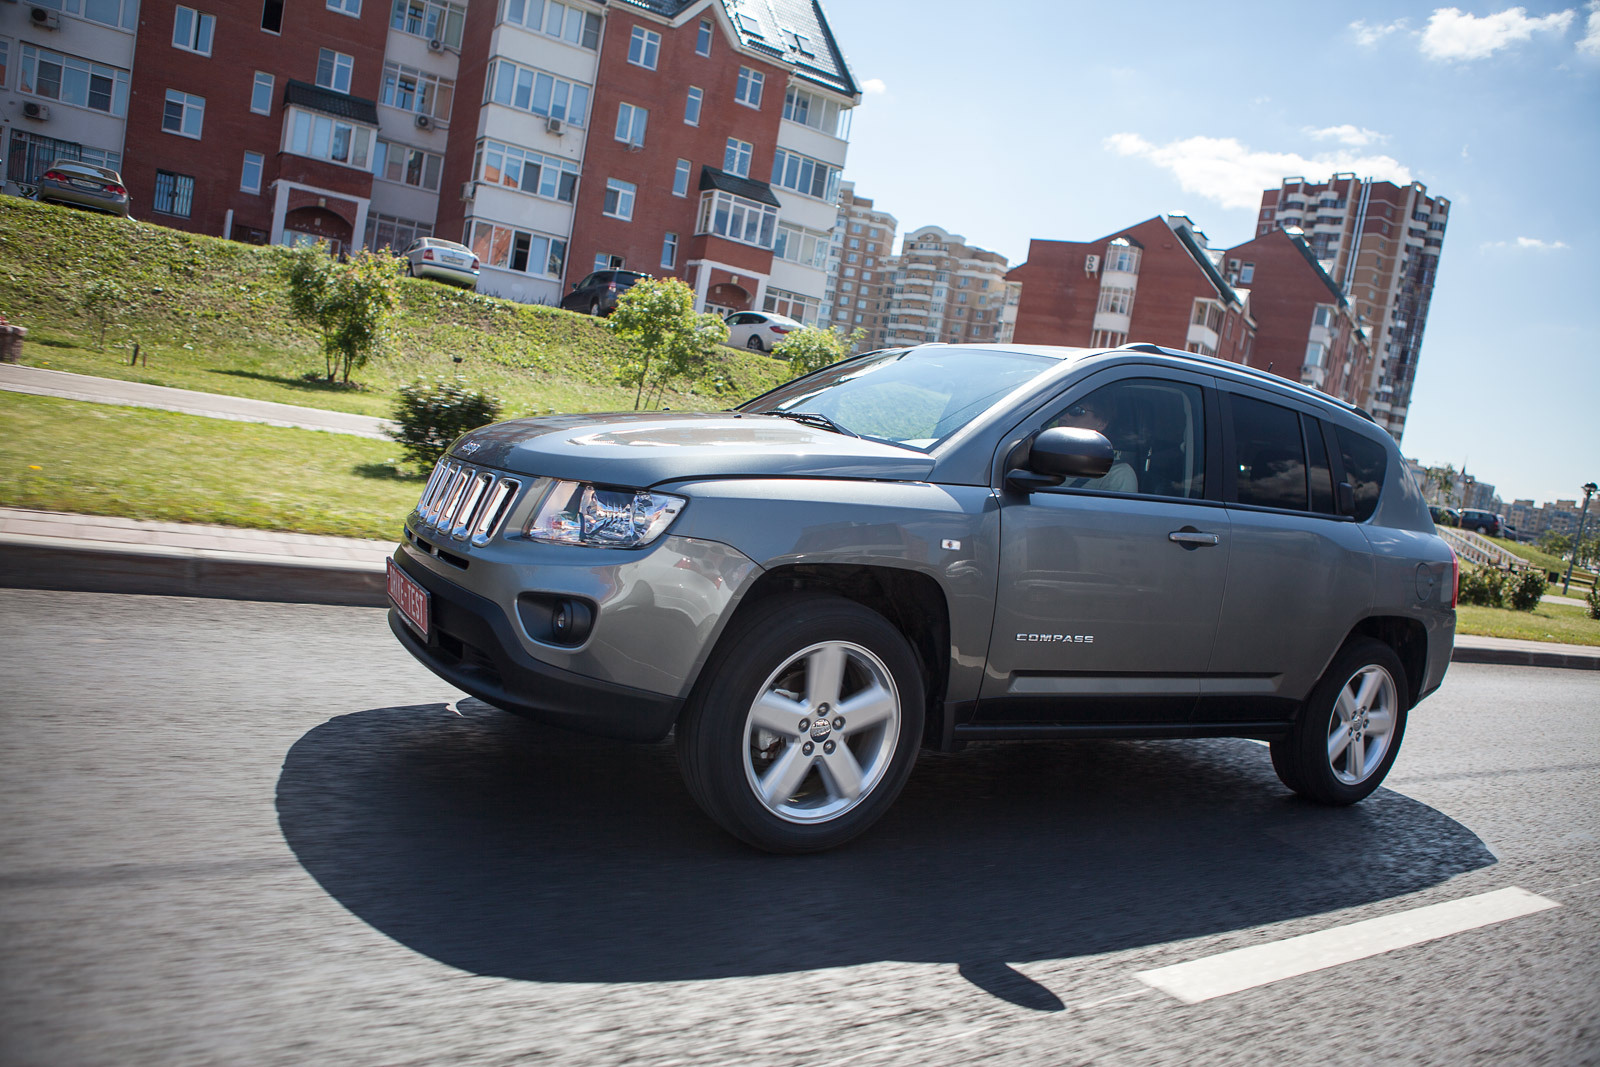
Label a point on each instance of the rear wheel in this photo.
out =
(1348, 732)
(806, 725)
(754, 344)
(594, 307)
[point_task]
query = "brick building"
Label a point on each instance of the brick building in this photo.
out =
(860, 278)
(1306, 330)
(1153, 282)
(1382, 244)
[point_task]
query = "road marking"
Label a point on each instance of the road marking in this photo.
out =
(1246, 968)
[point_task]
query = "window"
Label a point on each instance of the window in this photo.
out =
(346, 7)
(805, 175)
(817, 111)
(390, 231)
(691, 106)
(261, 94)
(1247, 274)
(1314, 352)
(1207, 313)
(702, 43)
(532, 90)
(748, 89)
(1323, 316)
(669, 250)
(5, 60)
(1121, 255)
(333, 70)
(1157, 429)
(853, 242)
(115, 13)
(250, 175)
(192, 31)
(174, 194)
(518, 250)
(580, 28)
(736, 157)
(619, 198)
(644, 48)
(799, 245)
(409, 166)
(801, 308)
(183, 114)
(272, 16)
(1270, 454)
(413, 90)
(631, 121)
(31, 155)
(72, 81)
(527, 171)
(432, 20)
(680, 178)
(319, 136)
(1115, 299)
(737, 219)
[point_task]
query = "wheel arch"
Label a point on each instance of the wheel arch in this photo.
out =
(1409, 640)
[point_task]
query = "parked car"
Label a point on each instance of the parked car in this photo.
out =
(68, 181)
(759, 331)
(597, 294)
(928, 546)
(1484, 522)
(1443, 516)
(441, 260)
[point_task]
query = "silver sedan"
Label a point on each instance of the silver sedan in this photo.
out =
(441, 260)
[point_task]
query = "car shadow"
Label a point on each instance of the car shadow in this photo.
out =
(507, 848)
(311, 381)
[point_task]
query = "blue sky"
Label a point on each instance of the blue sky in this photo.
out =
(1008, 121)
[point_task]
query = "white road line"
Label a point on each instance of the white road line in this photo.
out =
(1246, 968)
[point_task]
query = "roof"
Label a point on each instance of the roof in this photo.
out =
(339, 105)
(1311, 258)
(791, 32)
(1210, 268)
(760, 192)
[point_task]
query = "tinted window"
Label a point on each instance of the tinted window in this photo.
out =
(1321, 476)
(1270, 453)
(1365, 462)
(1157, 428)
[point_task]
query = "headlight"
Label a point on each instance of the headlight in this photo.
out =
(575, 513)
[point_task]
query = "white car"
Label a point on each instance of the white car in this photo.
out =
(441, 260)
(758, 331)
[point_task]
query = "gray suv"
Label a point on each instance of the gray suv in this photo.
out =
(929, 546)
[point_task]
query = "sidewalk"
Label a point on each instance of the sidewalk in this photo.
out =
(41, 382)
(53, 550)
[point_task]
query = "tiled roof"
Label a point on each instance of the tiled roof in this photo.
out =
(340, 105)
(791, 32)
(760, 192)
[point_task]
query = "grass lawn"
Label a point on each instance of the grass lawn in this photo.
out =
(66, 455)
(1565, 623)
(1546, 562)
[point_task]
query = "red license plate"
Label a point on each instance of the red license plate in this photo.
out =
(409, 597)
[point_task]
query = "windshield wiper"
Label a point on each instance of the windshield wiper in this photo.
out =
(812, 418)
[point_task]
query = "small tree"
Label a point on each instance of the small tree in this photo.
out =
(349, 302)
(431, 414)
(104, 299)
(1442, 480)
(656, 319)
(808, 349)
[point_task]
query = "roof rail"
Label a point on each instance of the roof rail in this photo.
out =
(1253, 372)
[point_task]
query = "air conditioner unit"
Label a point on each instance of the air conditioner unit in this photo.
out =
(469, 190)
(45, 19)
(424, 122)
(1091, 264)
(436, 45)
(33, 110)
(554, 125)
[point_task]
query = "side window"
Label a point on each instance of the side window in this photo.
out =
(1157, 428)
(1270, 453)
(1321, 475)
(1365, 462)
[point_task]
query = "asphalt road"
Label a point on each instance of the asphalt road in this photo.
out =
(260, 834)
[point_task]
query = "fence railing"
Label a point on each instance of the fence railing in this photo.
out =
(1475, 548)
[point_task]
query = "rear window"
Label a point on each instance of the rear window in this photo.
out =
(1365, 462)
(1271, 455)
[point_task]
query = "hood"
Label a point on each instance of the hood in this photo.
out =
(642, 449)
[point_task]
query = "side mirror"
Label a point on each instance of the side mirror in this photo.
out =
(574, 286)
(1062, 452)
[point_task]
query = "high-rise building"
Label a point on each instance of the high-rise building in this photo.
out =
(945, 290)
(1381, 243)
(860, 278)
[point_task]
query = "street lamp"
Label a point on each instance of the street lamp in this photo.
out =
(1577, 542)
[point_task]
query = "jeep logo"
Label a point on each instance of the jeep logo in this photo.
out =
(1057, 639)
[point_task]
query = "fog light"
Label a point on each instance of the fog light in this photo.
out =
(570, 621)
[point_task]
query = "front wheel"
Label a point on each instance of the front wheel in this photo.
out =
(754, 344)
(1347, 734)
(806, 725)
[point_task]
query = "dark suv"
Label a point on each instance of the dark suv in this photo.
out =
(1484, 522)
(938, 545)
(597, 294)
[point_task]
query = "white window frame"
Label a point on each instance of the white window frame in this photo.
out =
(747, 90)
(619, 200)
(703, 38)
(266, 81)
(1247, 273)
(819, 112)
(302, 129)
(190, 105)
(483, 237)
(632, 121)
(431, 95)
(1115, 299)
(30, 57)
(669, 250)
(693, 104)
(428, 163)
(259, 162)
(799, 173)
(736, 157)
(429, 20)
(352, 8)
(197, 28)
(556, 175)
(681, 173)
(644, 48)
(736, 219)
(575, 26)
(519, 87)
(337, 63)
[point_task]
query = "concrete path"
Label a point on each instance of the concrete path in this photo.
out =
(42, 382)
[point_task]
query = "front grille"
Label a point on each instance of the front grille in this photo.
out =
(462, 501)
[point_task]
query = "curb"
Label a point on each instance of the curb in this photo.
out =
(1518, 657)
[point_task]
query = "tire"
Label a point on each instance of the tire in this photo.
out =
(411, 272)
(594, 308)
(1365, 684)
(747, 760)
(754, 344)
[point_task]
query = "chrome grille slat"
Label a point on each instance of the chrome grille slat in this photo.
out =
(469, 505)
(460, 501)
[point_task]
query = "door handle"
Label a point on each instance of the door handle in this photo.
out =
(1190, 538)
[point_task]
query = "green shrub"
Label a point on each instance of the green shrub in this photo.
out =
(1593, 601)
(1522, 591)
(432, 414)
(1483, 586)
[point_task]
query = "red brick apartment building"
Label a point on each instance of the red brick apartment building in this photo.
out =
(1152, 282)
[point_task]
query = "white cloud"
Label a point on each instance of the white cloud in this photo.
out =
(1452, 34)
(1590, 45)
(1532, 243)
(874, 86)
(1223, 170)
(1348, 134)
(1369, 36)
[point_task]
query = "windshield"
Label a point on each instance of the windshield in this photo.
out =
(912, 397)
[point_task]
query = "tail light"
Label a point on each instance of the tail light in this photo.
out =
(54, 176)
(427, 254)
(116, 190)
(474, 262)
(775, 328)
(1455, 578)
(611, 288)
